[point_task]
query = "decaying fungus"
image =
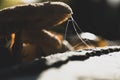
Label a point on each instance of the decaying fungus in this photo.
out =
(29, 24)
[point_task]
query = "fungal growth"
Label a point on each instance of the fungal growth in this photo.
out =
(30, 26)
(33, 16)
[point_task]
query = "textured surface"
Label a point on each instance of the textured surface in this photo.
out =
(35, 16)
(29, 23)
(88, 64)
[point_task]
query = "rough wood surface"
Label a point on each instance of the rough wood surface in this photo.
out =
(89, 64)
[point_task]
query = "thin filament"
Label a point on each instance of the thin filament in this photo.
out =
(72, 19)
(75, 23)
(66, 29)
(79, 35)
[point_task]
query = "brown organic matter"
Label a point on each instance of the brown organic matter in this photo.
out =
(29, 22)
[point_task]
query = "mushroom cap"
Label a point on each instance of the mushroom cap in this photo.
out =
(33, 16)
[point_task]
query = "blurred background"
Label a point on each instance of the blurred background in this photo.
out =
(100, 17)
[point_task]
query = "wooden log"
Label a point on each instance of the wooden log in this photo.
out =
(98, 63)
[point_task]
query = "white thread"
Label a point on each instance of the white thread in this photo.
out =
(74, 26)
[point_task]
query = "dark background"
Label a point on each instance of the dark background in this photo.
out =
(98, 16)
